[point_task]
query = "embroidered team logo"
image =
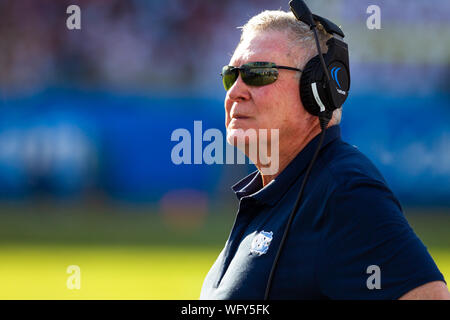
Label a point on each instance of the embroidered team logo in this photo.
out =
(261, 242)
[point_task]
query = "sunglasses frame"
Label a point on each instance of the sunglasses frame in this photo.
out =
(253, 68)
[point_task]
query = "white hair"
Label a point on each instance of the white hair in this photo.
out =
(303, 45)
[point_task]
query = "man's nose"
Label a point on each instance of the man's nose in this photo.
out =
(239, 91)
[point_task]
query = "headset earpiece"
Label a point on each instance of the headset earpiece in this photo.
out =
(312, 73)
(319, 95)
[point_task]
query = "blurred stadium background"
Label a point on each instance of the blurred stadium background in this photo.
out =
(86, 117)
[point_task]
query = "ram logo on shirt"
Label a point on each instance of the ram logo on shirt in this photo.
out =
(261, 242)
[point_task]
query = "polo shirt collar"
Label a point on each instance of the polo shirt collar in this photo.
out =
(251, 186)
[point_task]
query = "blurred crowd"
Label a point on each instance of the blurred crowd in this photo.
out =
(121, 43)
(154, 45)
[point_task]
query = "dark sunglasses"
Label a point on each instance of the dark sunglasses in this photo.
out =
(253, 74)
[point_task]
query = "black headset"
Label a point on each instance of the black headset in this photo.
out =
(325, 81)
(324, 87)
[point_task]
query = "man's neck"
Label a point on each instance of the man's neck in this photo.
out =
(288, 151)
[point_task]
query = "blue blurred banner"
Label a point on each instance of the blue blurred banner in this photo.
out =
(67, 144)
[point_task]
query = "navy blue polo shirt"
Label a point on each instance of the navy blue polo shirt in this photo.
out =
(348, 240)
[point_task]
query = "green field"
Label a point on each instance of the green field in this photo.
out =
(134, 255)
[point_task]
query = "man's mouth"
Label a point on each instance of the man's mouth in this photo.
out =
(239, 116)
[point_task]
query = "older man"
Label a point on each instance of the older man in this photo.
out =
(349, 238)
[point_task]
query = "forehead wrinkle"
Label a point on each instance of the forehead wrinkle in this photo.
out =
(242, 57)
(262, 47)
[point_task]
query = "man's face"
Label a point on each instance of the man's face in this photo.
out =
(274, 106)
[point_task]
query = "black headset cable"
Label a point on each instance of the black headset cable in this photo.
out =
(324, 120)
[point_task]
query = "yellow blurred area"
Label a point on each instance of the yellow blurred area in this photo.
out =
(40, 272)
(442, 259)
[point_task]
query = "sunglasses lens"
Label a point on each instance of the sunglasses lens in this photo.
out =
(253, 74)
(229, 76)
(259, 76)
